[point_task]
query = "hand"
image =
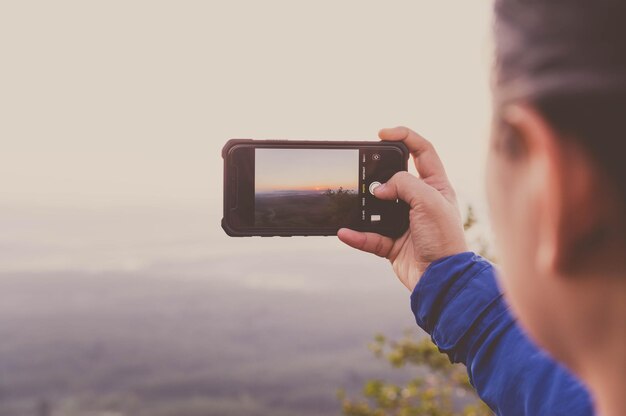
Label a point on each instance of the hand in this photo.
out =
(436, 227)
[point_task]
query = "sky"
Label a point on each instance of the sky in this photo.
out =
(113, 114)
(310, 169)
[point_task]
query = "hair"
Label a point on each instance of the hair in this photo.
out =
(568, 59)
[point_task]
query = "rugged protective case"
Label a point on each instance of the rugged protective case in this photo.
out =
(230, 144)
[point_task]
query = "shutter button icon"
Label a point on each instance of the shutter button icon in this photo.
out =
(373, 186)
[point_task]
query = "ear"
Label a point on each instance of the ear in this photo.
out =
(564, 188)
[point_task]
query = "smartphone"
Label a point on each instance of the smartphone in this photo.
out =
(310, 188)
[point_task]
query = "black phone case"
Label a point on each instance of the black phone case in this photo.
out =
(233, 232)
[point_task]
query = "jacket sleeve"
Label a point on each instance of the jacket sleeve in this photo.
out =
(458, 302)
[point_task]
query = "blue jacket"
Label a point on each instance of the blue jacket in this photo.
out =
(458, 302)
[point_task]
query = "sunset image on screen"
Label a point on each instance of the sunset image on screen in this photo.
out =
(306, 187)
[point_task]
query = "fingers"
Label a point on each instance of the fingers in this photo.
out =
(406, 187)
(369, 242)
(427, 162)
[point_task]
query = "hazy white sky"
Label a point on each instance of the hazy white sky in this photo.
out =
(131, 101)
(128, 103)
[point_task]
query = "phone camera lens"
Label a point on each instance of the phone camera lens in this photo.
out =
(376, 156)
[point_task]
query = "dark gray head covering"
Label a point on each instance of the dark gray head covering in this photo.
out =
(552, 47)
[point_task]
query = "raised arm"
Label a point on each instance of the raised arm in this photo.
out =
(458, 302)
(455, 296)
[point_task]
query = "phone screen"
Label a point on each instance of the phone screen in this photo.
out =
(308, 188)
(293, 188)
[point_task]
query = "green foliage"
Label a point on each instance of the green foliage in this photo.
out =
(478, 242)
(470, 218)
(440, 389)
(443, 389)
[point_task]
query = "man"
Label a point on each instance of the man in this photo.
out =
(557, 196)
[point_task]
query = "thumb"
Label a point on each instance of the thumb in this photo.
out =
(369, 242)
(406, 187)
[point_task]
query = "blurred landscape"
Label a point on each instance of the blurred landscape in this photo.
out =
(119, 293)
(180, 327)
(330, 208)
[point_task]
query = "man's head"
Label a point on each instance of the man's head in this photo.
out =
(557, 177)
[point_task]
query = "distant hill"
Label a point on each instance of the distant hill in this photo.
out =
(274, 335)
